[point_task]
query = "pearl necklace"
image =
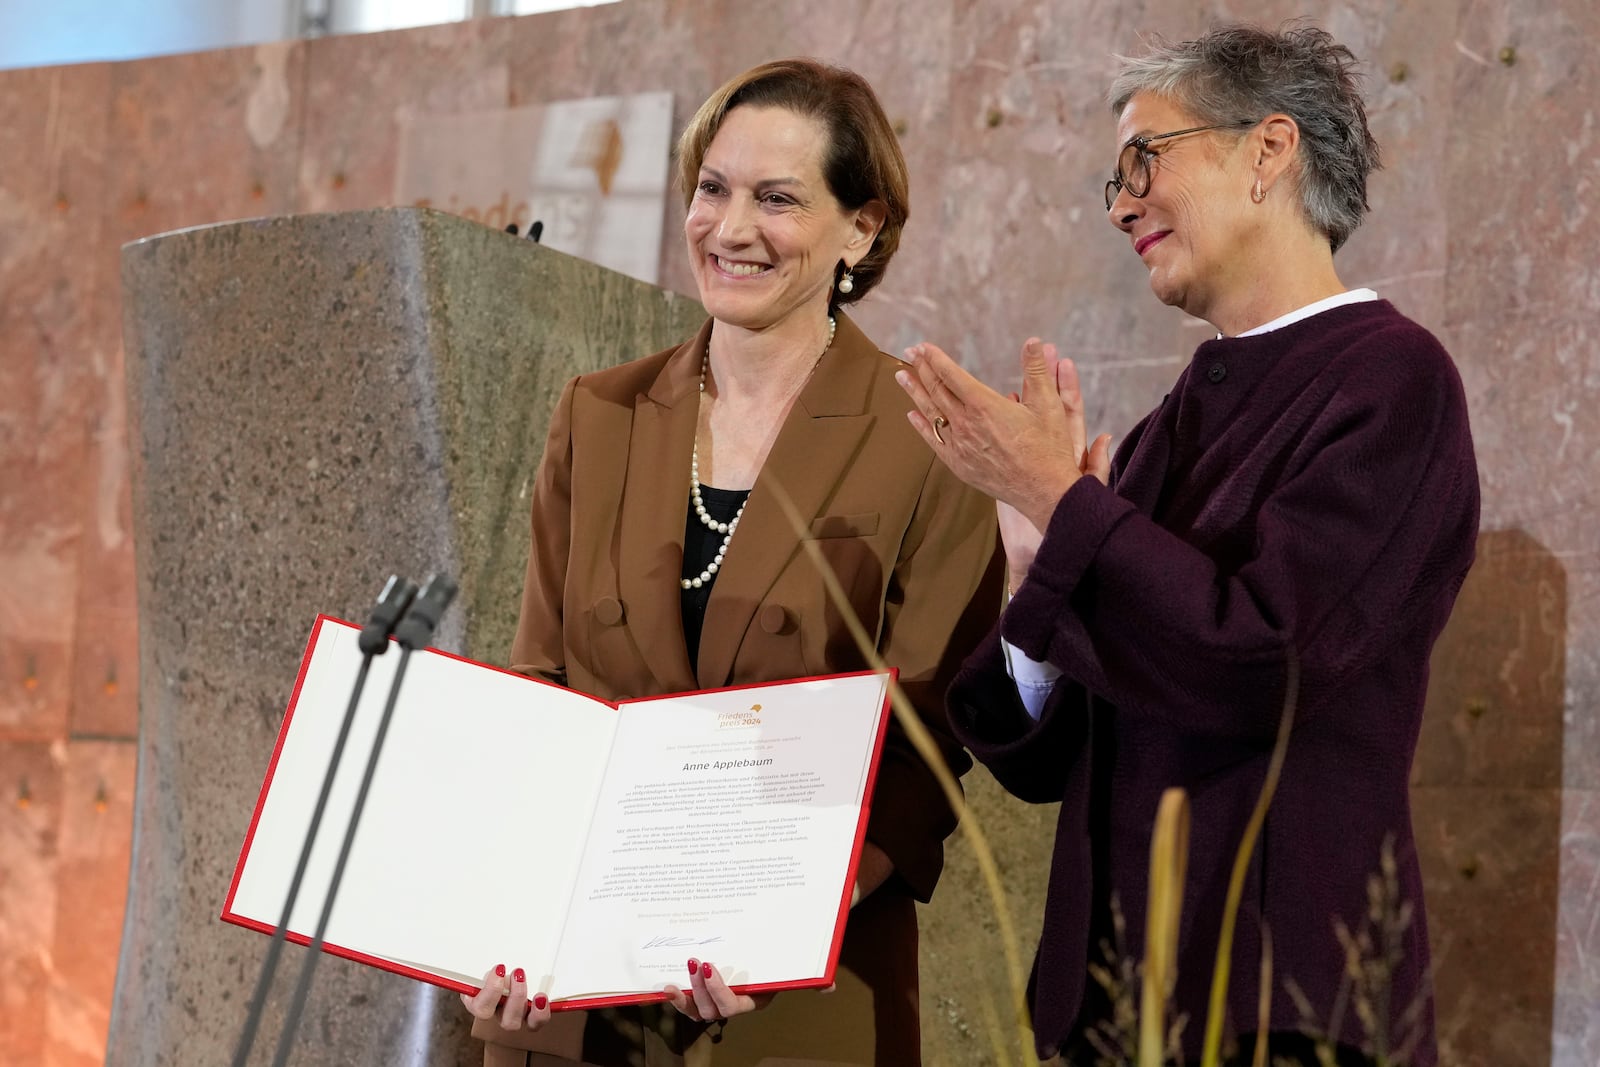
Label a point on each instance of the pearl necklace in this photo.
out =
(724, 528)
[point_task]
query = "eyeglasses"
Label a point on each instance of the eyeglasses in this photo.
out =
(1133, 162)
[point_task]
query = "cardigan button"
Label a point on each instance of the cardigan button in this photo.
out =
(1216, 372)
(608, 611)
(774, 619)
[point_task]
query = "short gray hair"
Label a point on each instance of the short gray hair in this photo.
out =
(1240, 72)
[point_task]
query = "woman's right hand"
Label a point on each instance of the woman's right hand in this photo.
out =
(1028, 454)
(1018, 534)
(518, 1012)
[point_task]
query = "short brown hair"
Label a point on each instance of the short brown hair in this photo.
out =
(863, 161)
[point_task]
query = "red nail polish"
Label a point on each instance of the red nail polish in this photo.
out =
(705, 970)
(519, 975)
(539, 1001)
(694, 965)
(499, 970)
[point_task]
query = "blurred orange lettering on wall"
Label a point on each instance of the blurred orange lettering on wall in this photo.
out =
(498, 214)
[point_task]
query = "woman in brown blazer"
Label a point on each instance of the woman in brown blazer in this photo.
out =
(662, 560)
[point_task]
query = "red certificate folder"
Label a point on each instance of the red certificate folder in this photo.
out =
(595, 845)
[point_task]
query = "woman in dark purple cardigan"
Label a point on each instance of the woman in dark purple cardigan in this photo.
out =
(1308, 488)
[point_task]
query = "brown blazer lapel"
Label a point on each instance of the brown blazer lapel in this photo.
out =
(656, 501)
(813, 451)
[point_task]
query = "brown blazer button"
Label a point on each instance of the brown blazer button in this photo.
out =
(774, 619)
(608, 611)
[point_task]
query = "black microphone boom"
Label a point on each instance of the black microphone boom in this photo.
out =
(416, 629)
(392, 603)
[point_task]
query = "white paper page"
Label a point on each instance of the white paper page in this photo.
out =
(723, 831)
(473, 829)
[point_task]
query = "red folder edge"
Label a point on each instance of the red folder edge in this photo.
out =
(581, 1003)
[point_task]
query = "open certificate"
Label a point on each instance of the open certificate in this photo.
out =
(598, 846)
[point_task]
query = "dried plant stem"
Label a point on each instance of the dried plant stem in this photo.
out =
(1264, 999)
(1211, 1051)
(929, 751)
(1169, 858)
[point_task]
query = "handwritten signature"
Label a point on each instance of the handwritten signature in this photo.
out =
(668, 941)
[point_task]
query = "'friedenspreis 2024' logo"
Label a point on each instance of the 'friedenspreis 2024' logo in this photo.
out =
(738, 720)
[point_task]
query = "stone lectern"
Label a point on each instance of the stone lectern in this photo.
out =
(318, 401)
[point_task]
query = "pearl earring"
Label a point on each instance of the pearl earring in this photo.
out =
(1258, 194)
(847, 283)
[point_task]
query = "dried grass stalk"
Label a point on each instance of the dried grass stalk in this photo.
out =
(1169, 859)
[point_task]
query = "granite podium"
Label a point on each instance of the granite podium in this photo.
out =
(317, 401)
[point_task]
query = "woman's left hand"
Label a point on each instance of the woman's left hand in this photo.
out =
(1025, 454)
(708, 998)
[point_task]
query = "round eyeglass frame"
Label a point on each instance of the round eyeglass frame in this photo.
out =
(1134, 172)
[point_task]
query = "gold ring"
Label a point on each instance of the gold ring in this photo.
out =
(939, 423)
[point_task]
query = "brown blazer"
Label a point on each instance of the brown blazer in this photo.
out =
(913, 548)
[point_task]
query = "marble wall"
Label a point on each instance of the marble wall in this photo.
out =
(1483, 229)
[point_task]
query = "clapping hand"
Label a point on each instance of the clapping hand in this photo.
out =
(1025, 451)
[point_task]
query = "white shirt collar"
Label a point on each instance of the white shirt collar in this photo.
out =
(1352, 296)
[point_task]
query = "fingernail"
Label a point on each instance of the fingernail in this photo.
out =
(519, 975)
(705, 970)
(694, 965)
(539, 1001)
(902, 377)
(499, 970)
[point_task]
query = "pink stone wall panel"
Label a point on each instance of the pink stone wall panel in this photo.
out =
(203, 138)
(1495, 713)
(30, 799)
(1577, 1021)
(362, 87)
(1487, 804)
(105, 637)
(53, 342)
(1489, 865)
(53, 123)
(1521, 291)
(92, 870)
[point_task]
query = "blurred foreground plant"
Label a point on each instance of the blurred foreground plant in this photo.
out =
(1372, 952)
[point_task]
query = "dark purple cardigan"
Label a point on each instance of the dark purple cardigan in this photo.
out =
(1311, 488)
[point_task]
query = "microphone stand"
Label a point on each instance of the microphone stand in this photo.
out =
(374, 641)
(414, 631)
